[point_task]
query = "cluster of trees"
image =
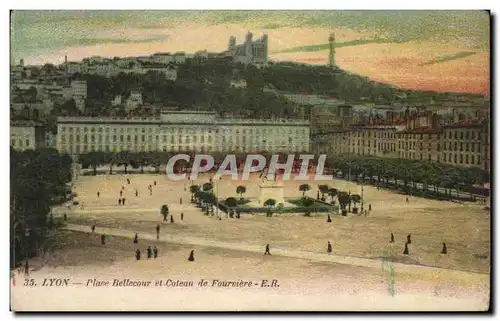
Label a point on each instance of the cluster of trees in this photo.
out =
(416, 175)
(38, 180)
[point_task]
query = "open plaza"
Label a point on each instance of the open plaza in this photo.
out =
(231, 249)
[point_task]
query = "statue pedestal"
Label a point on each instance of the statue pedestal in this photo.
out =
(271, 189)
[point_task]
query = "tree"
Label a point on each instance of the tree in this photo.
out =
(38, 180)
(207, 187)
(332, 192)
(343, 198)
(241, 190)
(269, 203)
(323, 190)
(123, 158)
(355, 198)
(194, 189)
(304, 188)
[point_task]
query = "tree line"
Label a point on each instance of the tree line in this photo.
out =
(414, 174)
(38, 180)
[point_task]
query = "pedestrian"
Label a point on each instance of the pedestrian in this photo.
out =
(93, 228)
(149, 186)
(329, 248)
(137, 254)
(370, 207)
(267, 250)
(180, 201)
(150, 193)
(191, 256)
(123, 201)
(182, 216)
(406, 249)
(123, 187)
(171, 218)
(128, 181)
(121, 193)
(98, 194)
(150, 252)
(65, 217)
(155, 252)
(136, 239)
(158, 231)
(408, 239)
(407, 200)
(444, 250)
(329, 219)
(103, 239)
(155, 183)
(392, 238)
(119, 201)
(136, 193)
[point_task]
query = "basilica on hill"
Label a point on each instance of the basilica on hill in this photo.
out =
(253, 52)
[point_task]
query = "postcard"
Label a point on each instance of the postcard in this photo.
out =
(250, 161)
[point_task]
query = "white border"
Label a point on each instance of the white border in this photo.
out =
(214, 4)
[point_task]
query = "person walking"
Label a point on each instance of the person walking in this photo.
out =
(158, 231)
(408, 239)
(392, 238)
(191, 256)
(92, 228)
(155, 252)
(444, 250)
(182, 216)
(267, 252)
(98, 194)
(150, 252)
(406, 252)
(329, 247)
(103, 239)
(137, 254)
(136, 239)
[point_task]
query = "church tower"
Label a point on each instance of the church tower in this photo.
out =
(331, 57)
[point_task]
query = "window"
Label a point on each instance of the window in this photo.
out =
(461, 146)
(456, 145)
(461, 135)
(472, 159)
(449, 157)
(466, 159)
(461, 159)
(455, 158)
(467, 135)
(466, 147)
(472, 147)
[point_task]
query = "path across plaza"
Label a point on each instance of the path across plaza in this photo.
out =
(314, 256)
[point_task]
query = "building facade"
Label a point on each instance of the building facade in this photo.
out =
(421, 137)
(179, 131)
(26, 135)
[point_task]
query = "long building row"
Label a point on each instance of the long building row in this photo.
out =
(420, 137)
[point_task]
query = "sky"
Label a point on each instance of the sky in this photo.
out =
(423, 50)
